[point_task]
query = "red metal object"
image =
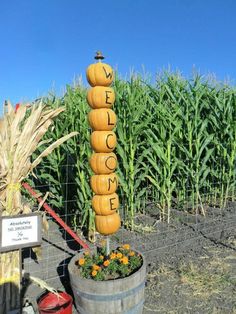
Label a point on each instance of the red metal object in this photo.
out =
(55, 216)
(51, 303)
(17, 107)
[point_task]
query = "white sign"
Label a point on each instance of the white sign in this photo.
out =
(20, 231)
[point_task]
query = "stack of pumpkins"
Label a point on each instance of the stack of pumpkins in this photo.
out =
(103, 161)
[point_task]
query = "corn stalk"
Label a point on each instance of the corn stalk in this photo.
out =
(21, 133)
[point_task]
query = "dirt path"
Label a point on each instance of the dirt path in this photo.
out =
(203, 283)
(199, 276)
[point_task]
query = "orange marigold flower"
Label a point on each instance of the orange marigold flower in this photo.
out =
(96, 267)
(81, 261)
(94, 273)
(126, 246)
(106, 263)
(113, 256)
(119, 255)
(131, 253)
(124, 260)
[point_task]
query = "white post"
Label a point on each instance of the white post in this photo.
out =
(108, 246)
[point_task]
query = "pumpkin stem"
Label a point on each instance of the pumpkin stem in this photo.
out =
(99, 56)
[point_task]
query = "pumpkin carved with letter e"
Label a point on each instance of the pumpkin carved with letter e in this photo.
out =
(100, 97)
(105, 204)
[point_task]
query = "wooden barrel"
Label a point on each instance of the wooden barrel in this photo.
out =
(120, 296)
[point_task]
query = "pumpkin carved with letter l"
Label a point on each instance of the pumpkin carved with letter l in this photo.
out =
(103, 119)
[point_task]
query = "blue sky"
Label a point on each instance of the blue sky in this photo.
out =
(45, 44)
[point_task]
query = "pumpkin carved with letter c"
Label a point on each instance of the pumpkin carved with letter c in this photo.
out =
(103, 141)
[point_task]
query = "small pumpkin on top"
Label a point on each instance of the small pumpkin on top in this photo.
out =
(99, 74)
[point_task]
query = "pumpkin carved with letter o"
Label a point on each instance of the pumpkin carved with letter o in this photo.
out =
(107, 224)
(103, 163)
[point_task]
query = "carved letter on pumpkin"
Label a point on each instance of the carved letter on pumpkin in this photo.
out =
(112, 181)
(112, 203)
(109, 122)
(108, 97)
(108, 74)
(107, 141)
(110, 163)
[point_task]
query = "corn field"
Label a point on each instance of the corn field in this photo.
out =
(176, 148)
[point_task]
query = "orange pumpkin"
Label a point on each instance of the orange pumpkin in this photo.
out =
(103, 163)
(99, 74)
(102, 119)
(103, 141)
(107, 224)
(101, 97)
(104, 183)
(105, 204)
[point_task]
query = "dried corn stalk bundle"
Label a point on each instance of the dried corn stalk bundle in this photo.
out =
(21, 134)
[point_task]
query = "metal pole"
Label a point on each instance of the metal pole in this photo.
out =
(108, 246)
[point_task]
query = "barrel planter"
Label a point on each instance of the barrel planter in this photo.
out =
(119, 296)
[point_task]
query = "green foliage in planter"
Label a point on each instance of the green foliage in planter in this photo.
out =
(120, 263)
